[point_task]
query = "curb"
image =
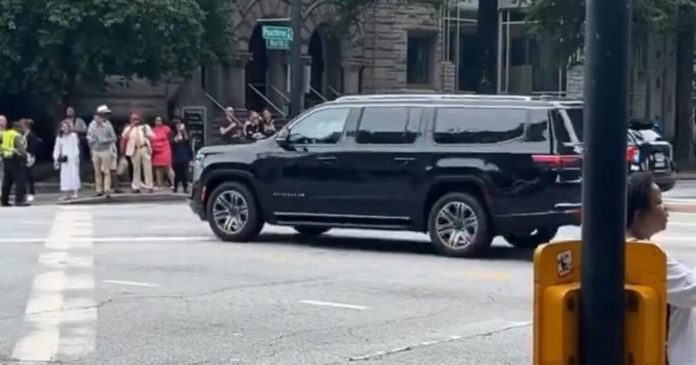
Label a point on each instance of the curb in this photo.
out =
(127, 198)
(680, 207)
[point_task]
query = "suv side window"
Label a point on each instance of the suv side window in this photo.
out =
(321, 127)
(388, 125)
(559, 128)
(460, 125)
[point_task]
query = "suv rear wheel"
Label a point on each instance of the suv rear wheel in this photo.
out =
(311, 230)
(532, 238)
(233, 213)
(459, 226)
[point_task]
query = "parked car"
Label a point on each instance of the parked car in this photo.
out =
(647, 150)
(650, 152)
(463, 168)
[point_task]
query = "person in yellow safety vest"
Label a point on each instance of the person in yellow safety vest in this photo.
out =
(14, 159)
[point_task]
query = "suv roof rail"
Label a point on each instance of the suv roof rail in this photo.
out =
(435, 97)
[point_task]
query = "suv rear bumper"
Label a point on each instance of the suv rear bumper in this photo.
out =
(563, 214)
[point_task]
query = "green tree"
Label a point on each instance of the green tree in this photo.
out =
(47, 46)
(563, 21)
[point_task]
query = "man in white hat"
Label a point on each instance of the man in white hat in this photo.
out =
(102, 140)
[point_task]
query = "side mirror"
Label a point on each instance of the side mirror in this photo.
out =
(281, 138)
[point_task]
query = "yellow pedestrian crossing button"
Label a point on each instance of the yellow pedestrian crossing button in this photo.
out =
(557, 268)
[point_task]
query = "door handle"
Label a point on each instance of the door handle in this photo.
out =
(404, 159)
(326, 158)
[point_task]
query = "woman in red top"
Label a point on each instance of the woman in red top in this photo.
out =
(161, 152)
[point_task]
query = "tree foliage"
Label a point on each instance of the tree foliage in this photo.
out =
(46, 46)
(563, 20)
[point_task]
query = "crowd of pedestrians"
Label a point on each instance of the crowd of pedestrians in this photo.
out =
(138, 152)
(257, 126)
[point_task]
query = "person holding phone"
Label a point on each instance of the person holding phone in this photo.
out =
(181, 155)
(138, 148)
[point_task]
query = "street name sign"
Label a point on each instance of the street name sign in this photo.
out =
(277, 32)
(277, 37)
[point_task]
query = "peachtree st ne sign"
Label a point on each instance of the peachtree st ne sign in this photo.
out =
(277, 37)
(277, 32)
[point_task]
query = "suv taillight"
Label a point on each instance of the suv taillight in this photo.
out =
(558, 161)
(632, 154)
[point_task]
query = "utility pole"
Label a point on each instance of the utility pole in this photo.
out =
(607, 42)
(296, 67)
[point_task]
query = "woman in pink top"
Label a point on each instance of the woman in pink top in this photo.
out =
(161, 152)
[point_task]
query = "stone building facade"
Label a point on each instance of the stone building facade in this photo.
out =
(428, 45)
(652, 80)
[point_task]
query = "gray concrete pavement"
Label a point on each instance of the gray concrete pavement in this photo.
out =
(149, 284)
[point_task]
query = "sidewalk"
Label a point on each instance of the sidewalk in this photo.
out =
(49, 193)
(155, 197)
(686, 175)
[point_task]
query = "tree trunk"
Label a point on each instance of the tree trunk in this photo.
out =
(683, 140)
(488, 45)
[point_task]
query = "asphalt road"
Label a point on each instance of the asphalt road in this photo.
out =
(148, 284)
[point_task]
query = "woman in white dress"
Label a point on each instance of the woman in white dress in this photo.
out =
(66, 158)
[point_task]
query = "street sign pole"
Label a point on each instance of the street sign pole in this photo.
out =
(607, 41)
(296, 67)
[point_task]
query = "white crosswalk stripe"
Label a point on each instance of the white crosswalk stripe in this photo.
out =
(61, 315)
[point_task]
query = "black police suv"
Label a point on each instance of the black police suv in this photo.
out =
(649, 151)
(463, 168)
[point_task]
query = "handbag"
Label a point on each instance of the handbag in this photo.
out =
(122, 167)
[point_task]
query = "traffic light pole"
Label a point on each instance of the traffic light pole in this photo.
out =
(607, 42)
(296, 67)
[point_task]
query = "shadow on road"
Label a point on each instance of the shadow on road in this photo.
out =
(384, 245)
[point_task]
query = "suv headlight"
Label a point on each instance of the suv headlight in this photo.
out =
(199, 158)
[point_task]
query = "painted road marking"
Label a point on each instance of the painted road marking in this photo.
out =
(335, 305)
(60, 326)
(130, 283)
(381, 354)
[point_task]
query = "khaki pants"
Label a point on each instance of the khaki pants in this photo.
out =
(142, 164)
(102, 161)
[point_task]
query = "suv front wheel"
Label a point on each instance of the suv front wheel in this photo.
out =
(533, 238)
(233, 213)
(459, 226)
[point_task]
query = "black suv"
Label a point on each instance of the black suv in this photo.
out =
(464, 168)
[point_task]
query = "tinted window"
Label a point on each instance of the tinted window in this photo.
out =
(559, 128)
(537, 129)
(388, 125)
(321, 127)
(576, 118)
(479, 126)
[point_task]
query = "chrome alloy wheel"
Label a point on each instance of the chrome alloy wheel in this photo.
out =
(456, 225)
(230, 212)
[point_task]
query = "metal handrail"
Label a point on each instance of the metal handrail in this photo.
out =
(336, 93)
(317, 93)
(287, 99)
(259, 93)
(211, 98)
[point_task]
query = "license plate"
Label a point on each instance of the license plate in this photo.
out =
(659, 159)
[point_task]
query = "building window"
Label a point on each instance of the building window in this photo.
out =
(419, 59)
